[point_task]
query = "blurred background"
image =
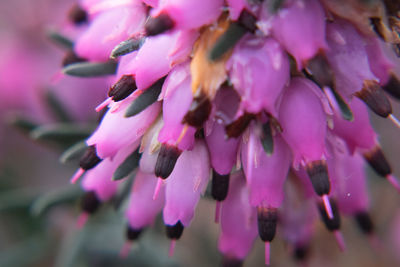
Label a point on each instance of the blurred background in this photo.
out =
(43, 113)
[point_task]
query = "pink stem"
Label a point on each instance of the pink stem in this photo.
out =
(327, 205)
(77, 175)
(157, 189)
(217, 211)
(394, 182)
(82, 220)
(172, 248)
(125, 249)
(340, 240)
(267, 253)
(104, 104)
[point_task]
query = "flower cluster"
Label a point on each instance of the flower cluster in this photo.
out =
(271, 97)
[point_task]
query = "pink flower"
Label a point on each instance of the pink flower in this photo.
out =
(228, 100)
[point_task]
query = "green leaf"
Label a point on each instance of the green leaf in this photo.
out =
(227, 41)
(345, 110)
(57, 107)
(267, 139)
(22, 123)
(144, 100)
(62, 133)
(60, 40)
(74, 152)
(128, 166)
(48, 200)
(91, 69)
(127, 47)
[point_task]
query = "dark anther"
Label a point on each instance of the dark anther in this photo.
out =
(377, 160)
(166, 160)
(248, 21)
(267, 219)
(236, 128)
(318, 173)
(158, 25)
(377, 26)
(90, 203)
(132, 234)
(231, 262)
(90, 159)
(375, 98)
(123, 88)
(77, 15)
(70, 58)
(199, 112)
(393, 87)
(199, 134)
(174, 231)
(319, 71)
(364, 222)
(300, 253)
(334, 223)
(219, 186)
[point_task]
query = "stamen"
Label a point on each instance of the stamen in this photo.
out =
(375, 243)
(115, 107)
(123, 88)
(199, 112)
(327, 206)
(77, 175)
(377, 160)
(332, 224)
(90, 159)
(126, 247)
(157, 189)
(219, 186)
(172, 248)
(394, 120)
(166, 160)
(104, 104)
(217, 211)
(318, 173)
(82, 220)
(267, 219)
(340, 240)
(267, 250)
(236, 128)
(77, 15)
(373, 95)
(393, 86)
(364, 222)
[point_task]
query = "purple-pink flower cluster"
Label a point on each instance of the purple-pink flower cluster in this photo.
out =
(267, 99)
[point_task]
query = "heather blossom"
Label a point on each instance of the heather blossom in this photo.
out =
(267, 99)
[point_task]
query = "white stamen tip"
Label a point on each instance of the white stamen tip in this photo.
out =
(394, 120)
(327, 205)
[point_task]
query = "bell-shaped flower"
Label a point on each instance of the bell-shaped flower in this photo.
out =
(238, 220)
(259, 70)
(186, 183)
(300, 27)
(116, 131)
(303, 121)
